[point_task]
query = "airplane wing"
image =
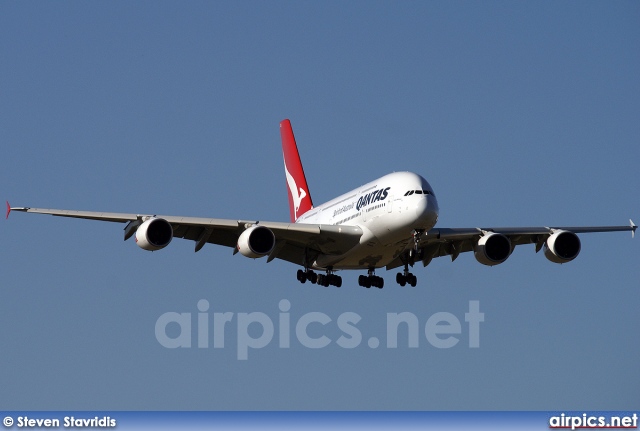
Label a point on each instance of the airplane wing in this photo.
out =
(299, 242)
(293, 241)
(440, 242)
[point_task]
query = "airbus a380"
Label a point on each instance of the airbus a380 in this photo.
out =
(387, 223)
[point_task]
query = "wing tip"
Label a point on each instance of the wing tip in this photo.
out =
(8, 210)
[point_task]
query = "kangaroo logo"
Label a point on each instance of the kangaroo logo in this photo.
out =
(297, 193)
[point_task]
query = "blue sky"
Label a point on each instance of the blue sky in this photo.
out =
(518, 114)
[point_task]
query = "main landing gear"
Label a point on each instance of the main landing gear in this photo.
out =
(326, 280)
(405, 277)
(371, 280)
(303, 276)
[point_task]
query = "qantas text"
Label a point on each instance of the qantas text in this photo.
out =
(374, 196)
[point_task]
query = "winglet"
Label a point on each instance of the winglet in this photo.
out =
(633, 228)
(8, 210)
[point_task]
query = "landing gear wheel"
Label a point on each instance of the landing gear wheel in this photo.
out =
(320, 280)
(312, 277)
(364, 281)
(335, 280)
(405, 277)
(326, 280)
(371, 280)
(301, 276)
(377, 281)
(304, 275)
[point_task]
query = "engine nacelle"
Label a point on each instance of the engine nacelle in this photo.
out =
(562, 246)
(256, 241)
(492, 249)
(154, 234)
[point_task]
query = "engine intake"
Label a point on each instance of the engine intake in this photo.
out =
(256, 241)
(154, 234)
(492, 249)
(562, 246)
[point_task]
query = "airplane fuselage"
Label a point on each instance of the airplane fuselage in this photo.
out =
(388, 210)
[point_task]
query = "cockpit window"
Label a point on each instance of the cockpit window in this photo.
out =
(419, 192)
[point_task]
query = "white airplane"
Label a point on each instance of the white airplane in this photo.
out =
(388, 222)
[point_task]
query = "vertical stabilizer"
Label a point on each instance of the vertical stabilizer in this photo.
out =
(299, 197)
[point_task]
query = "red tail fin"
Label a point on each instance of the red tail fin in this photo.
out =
(299, 197)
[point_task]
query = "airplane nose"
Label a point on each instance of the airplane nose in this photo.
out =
(421, 206)
(427, 210)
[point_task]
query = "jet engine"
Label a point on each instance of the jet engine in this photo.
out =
(492, 249)
(154, 234)
(562, 246)
(256, 241)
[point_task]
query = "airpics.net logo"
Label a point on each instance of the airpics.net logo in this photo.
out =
(312, 330)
